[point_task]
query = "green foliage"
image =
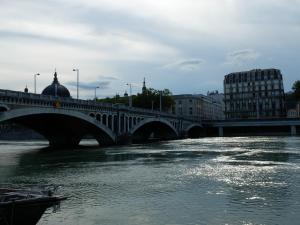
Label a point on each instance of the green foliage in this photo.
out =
(296, 89)
(152, 96)
(116, 99)
(145, 99)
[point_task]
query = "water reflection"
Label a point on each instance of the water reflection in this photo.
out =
(199, 181)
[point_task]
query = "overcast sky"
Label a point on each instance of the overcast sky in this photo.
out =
(184, 45)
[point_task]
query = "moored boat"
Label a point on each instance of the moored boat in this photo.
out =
(25, 207)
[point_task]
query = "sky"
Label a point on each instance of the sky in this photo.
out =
(186, 46)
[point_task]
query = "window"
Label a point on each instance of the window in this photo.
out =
(191, 110)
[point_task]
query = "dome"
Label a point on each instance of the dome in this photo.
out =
(56, 89)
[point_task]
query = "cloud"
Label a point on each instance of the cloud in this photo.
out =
(186, 65)
(90, 85)
(161, 38)
(103, 77)
(241, 57)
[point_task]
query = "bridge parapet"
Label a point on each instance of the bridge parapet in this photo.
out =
(119, 118)
(22, 99)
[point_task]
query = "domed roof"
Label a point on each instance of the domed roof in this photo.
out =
(56, 89)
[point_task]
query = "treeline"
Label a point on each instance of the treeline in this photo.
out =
(293, 98)
(150, 98)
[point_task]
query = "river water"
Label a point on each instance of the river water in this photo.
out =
(246, 180)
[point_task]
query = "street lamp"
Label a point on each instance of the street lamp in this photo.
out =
(37, 74)
(96, 92)
(130, 92)
(77, 70)
(160, 101)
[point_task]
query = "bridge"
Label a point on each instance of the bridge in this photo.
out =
(275, 126)
(66, 121)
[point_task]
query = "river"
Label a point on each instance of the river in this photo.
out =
(242, 180)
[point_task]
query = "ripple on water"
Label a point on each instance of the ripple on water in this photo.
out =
(247, 180)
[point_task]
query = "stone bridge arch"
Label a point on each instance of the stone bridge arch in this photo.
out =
(195, 130)
(155, 128)
(3, 108)
(61, 127)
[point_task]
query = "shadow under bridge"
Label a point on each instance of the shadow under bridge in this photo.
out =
(60, 127)
(153, 129)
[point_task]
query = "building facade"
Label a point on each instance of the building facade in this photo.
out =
(254, 94)
(294, 112)
(199, 106)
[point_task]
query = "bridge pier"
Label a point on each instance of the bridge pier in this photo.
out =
(221, 132)
(293, 131)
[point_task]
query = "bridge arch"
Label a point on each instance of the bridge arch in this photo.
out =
(3, 108)
(60, 127)
(195, 130)
(156, 128)
(98, 117)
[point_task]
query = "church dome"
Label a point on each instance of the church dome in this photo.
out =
(56, 89)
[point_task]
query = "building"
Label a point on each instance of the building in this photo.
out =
(199, 106)
(56, 89)
(294, 112)
(254, 94)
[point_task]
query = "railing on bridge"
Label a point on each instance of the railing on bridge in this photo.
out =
(38, 100)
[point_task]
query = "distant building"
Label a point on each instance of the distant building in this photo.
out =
(56, 89)
(254, 94)
(218, 97)
(294, 112)
(144, 89)
(199, 106)
(26, 89)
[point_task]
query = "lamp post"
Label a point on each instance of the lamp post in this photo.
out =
(160, 101)
(96, 93)
(77, 70)
(37, 74)
(130, 92)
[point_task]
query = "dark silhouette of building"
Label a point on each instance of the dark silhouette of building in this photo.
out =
(144, 89)
(56, 89)
(254, 94)
(26, 89)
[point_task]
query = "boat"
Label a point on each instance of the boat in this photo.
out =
(25, 207)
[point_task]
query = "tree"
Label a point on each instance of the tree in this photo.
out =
(296, 89)
(151, 98)
(148, 99)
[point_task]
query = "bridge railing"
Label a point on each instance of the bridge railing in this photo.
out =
(37, 99)
(251, 120)
(22, 98)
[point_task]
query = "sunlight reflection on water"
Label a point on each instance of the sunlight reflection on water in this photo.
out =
(248, 180)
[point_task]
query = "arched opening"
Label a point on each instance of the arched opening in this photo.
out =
(60, 129)
(130, 122)
(122, 123)
(115, 127)
(92, 115)
(153, 131)
(109, 121)
(104, 117)
(126, 123)
(134, 121)
(196, 132)
(3, 108)
(98, 117)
